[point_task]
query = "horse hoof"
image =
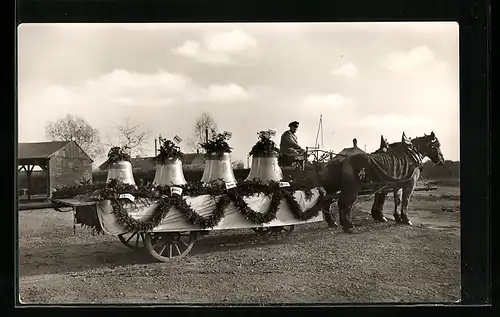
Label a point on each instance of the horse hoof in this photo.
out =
(332, 225)
(407, 222)
(384, 219)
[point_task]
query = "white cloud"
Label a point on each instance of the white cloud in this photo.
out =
(348, 70)
(219, 48)
(230, 42)
(121, 88)
(125, 81)
(416, 60)
(189, 49)
(227, 92)
(393, 120)
(332, 101)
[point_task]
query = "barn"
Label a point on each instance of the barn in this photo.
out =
(63, 163)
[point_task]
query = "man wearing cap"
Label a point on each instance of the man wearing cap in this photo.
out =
(289, 147)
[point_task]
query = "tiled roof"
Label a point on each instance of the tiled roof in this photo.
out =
(39, 150)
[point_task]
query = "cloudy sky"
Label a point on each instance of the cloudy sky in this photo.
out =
(366, 79)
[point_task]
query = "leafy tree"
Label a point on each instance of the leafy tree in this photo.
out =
(74, 128)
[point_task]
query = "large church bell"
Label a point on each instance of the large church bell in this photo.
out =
(122, 171)
(169, 173)
(217, 168)
(265, 168)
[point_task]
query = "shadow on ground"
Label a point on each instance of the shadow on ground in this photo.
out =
(111, 254)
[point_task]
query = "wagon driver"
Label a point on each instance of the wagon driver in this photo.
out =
(289, 147)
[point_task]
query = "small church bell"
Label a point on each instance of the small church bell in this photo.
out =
(169, 173)
(265, 168)
(218, 167)
(122, 171)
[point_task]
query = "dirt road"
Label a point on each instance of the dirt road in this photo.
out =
(382, 263)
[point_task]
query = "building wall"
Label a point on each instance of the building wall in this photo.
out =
(69, 166)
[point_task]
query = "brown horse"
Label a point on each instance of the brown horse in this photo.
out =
(398, 167)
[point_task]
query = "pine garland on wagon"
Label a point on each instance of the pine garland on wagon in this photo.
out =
(165, 201)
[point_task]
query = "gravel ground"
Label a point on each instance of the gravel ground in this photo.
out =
(382, 263)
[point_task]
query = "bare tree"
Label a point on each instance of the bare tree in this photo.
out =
(74, 128)
(203, 123)
(132, 137)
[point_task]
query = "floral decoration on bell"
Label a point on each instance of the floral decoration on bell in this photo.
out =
(168, 150)
(217, 144)
(265, 146)
(117, 154)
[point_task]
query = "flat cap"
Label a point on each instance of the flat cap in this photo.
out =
(293, 124)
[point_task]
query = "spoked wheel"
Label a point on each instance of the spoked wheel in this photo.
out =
(276, 233)
(132, 240)
(164, 246)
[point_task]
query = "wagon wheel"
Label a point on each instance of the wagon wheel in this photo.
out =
(166, 245)
(277, 233)
(132, 240)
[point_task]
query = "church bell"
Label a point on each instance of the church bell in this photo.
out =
(169, 173)
(265, 168)
(122, 171)
(218, 167)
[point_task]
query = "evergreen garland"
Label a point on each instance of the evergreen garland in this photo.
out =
(76, 190)
(168, 150)
(134, 225)
(117, 154)
(112, 191)
(217, 144)
(177, 201)
(101, 190)
(254, 216)
(297, 211)
(196, 219)
(265, 146)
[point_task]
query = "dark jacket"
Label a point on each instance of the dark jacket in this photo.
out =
(289, 145)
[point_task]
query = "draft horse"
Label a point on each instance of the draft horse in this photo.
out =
(397, 166)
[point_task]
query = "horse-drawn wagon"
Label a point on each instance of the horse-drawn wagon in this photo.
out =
(169, 215)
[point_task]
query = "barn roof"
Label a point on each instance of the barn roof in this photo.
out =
(39, 150)
(149, 163)
(348, 151)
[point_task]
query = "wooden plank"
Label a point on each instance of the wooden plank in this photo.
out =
(47, 174)
(73, 202)
(28, 176)
(39, 205)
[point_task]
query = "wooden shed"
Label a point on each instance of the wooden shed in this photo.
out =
(64, 163)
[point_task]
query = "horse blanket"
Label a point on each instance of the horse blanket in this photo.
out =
(384, 167)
